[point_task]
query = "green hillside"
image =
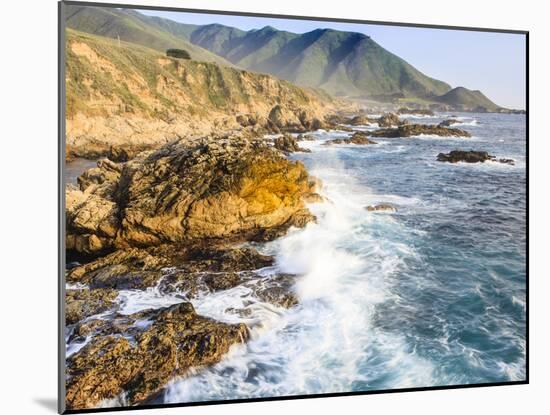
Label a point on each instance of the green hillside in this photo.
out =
(131, 26)
(342, 63)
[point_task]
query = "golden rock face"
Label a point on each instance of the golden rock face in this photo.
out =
(208, 188)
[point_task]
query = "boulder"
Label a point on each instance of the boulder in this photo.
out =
(283, 119)
(288, 144)
(448, 122)
(382, 207)
(359, 138)
(360, 120)
(247, 120)
(390, 120)
(418, 129)
(305, 137)
(470, 156)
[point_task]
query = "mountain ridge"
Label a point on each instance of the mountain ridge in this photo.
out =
(345, 64)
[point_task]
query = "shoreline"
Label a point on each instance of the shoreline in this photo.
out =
(155, 259)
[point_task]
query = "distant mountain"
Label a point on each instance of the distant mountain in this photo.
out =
(463, 98)
(134, 27)
(342, 63)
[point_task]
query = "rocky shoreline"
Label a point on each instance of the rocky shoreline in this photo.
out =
(174, 219)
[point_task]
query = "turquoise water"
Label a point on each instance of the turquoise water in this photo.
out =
(431, 295)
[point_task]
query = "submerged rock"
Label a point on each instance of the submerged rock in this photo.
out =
(418, 129)
(448, 122)
(278, 290)
(210, 188)
(288, 144)
(471, 157)
(176, 340)
(382, 207)
(357, 138)
(305, 137)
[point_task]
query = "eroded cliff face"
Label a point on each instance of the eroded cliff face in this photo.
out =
(203, 189)
(125, 99)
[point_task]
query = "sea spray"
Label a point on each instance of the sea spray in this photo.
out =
(327, 343)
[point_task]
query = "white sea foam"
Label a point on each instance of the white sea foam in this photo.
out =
(328, 342)
(519, 302)
(133, 301)
(417, 116)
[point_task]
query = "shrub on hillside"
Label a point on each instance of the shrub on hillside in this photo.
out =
(178, 53)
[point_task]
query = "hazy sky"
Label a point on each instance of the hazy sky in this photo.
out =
(491, 62)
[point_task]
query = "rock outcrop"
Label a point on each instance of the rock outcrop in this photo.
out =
(138, 268)
(176, 340)
(419, 129)
(203, 189)
(448, 122)
(382, 207)
(117, 110)
(359, 138)
(360, 120)
(390, 120)
(305, 137)
(138, 354)
(82, 303)
(288, 144)
(471, 157)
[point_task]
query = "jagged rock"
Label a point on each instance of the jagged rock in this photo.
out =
(278, 290)
(305, 137)
(357, 138)
(247, 120)
(470, 157)
(141, 268)
(418, 129)
(288, 144)
(382, 207)
(84, 303)
(215, 187)
(280, 118)
(360, 120)
(414, 111)
(390, 120)
(448, 122)
(334, 119)
(92, 221)
(177, 340)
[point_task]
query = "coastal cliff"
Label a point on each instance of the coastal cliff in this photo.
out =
(123, 98)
